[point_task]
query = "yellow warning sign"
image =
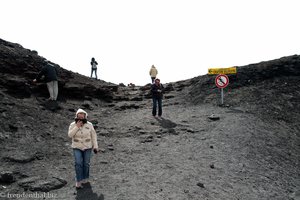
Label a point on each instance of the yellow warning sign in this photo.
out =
(229, 70)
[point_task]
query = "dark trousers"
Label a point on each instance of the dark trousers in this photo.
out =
(157, 101)
(94, 70)
(152, 79)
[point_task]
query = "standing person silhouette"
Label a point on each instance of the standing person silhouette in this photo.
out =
(153, 73)
(94, 67)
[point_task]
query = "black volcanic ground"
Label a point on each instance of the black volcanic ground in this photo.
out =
(249, 150)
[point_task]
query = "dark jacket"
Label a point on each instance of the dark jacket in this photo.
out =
(94, 64)
(157, 90)
(50, 73)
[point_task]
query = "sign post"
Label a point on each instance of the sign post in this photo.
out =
(222, 81)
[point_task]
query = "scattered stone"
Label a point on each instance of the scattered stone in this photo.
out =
(87, 105)
(51, 105)
(125, 106)
(214, 117)
(103, 132)
(200, 185)
(21, 157)
(142, 132)
(39, 155)
(148, 138)
(72, 110)
(110, 147)
(169, 96)
(102, 150)
(190, 130)
(137, 127)
(13, 128)
(136, 99)
(212, 166)
(7, 177)
(38, 183)
(172, 131)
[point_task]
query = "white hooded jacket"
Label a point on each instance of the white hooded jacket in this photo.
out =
(84, 137)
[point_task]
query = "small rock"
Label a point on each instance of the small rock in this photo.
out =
(214, 117)
(7, 177)
(142, 132)
(110, 147)
(13, 128)
(200, 185)
(102, 150)
(137, 127)
(212, 166)
(41, 184)
(148, 138)
(189, 130)
(21, 157)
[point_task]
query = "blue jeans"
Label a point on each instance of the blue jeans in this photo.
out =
(82, 163)
(157, 101)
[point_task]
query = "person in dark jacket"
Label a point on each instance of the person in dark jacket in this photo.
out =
(49, 72)
(157, 95)
(94, 67)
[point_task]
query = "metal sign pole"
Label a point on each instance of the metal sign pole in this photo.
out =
(222, 96)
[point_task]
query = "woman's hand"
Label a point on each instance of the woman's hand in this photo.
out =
(79, 123)
(95, 150)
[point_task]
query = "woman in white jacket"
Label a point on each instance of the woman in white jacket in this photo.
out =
(153, 73)
(84, 140)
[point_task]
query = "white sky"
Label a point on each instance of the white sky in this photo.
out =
(182, 38)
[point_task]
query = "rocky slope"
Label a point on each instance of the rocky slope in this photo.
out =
(250, 150)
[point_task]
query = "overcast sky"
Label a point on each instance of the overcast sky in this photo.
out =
(182, 38)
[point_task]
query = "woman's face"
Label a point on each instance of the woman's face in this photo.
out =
(81, 116)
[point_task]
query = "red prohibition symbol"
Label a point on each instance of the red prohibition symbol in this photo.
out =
(222, 81)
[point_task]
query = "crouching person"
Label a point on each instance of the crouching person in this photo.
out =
(84, 141)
